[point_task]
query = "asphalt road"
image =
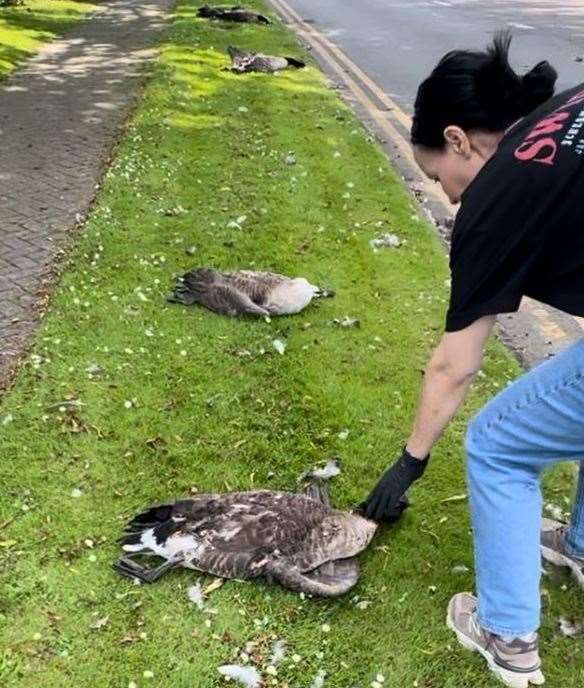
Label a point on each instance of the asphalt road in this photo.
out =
(397, 42)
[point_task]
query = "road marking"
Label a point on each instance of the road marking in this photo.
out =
(355, 79)
(324, 48)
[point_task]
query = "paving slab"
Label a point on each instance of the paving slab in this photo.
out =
(61, 115)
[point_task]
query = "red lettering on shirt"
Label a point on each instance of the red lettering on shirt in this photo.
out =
(574, 100)
(548, 125)
(530, 150)
(543, 150)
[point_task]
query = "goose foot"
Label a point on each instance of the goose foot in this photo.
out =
(126, 566)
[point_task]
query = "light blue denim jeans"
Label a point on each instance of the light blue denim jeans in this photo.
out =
(530, 426)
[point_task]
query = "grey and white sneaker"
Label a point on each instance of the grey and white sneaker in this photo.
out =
(516, 662)
(553, 549)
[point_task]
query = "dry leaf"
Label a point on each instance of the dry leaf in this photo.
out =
(454, 498)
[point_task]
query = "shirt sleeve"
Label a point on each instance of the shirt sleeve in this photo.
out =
(493, 254)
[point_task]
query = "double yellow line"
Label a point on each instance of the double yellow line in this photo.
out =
(388, 118)
(395, 125)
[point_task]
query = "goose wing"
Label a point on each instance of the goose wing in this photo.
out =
(257, 285)
(263, 520)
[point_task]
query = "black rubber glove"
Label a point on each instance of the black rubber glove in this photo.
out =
(381, 504)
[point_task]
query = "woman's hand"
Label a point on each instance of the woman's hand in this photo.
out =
(382, 503)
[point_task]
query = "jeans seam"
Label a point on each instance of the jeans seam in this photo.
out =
(530, 400)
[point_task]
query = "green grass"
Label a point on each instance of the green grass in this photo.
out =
(204, 148)
(24, 30)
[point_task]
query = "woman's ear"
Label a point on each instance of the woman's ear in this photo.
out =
(456, 138)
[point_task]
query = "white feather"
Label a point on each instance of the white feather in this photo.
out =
(247, 676)
(278, 652)
(195, 594)
(319, 680)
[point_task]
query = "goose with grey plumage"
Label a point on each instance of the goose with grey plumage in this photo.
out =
(243, 61)
(296, 540)
(237, 14)
(246, 292)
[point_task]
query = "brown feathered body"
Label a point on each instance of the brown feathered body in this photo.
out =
(245, 292)
(245, 61)
(292, 539)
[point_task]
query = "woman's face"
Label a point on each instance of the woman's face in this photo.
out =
(460, 160)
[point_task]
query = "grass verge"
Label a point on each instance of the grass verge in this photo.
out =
(25, 29)
(126, 399)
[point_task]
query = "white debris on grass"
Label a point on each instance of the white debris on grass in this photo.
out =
(290, 158)
(363, 604)
(460, 568)
(343, 434)
(278, 653)
(385, 241)
(279, 345)
(319, 680)
(195, 595)
(347, 322)
(246, 676)
(237, 223)
(555, 511)
(76, 493)
(570, 627)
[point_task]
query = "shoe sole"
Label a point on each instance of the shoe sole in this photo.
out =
(513, 679)
(558, 559)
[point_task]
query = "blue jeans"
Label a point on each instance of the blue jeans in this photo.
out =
(532, 425)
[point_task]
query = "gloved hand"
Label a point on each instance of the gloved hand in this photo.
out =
(383, 499)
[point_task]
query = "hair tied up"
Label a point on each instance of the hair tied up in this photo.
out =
(537, 86)
(478, 90)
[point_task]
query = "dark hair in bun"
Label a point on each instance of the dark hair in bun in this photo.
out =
(478, 91)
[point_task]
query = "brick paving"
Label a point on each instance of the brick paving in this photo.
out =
(60, 116)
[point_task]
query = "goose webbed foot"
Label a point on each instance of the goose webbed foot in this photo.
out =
(127, 566)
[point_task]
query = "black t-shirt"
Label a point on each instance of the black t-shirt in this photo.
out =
(520, 228)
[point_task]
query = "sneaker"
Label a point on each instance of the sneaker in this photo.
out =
(514, 662)
(553, 549)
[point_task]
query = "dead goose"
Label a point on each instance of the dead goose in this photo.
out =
(242, 61)
(245, 292)
(296, 540)
(235, 14)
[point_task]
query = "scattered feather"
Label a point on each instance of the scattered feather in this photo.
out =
(278, 653)
(347, 322)
(195, 595)
(363, 604)
(570, 627)
(386, 241)
(100, 623)
(555, 511)
(319, 680)
(460, 568)
(290, 158)
(343, 434)
(76, 493)
(279, 345)
(247, 676)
